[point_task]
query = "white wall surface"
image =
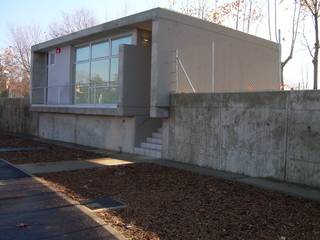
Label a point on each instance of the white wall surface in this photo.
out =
(59, 74)
(237, 62)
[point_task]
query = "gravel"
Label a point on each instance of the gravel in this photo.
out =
(166, 203)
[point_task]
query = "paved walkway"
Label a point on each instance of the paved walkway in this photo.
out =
(48, 167)
(29, 210)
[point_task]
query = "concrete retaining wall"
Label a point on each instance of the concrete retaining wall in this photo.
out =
(270, 134)
(15, 116)
(114, 133)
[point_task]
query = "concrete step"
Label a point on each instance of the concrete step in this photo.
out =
(157, 135)
(148, 152)
(159, 130)
(152, 146)
(154, 140)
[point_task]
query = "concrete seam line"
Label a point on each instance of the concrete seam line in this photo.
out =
(83, 209)
(286, 131)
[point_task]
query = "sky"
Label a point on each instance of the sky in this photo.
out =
(42, 13)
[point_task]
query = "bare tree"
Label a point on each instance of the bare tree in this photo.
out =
(295, 21)
(273, 27)
(3, 78)
(276, 20)
(303, 84)
(238, 4)
(76, 20)
(269, 20)
(16, 59)
(241, 12)
(14, 78)
(22, 38)
(199, 9)
(294, 32)
(312, 7)
(171, 3)
(249, 15)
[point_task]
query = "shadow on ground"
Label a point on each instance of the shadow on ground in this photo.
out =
(29, 210)
(49, 153)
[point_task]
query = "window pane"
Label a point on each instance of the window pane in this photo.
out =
(82, 53)
(114, 69)
(82, 73)
(100, 71)
(106, 95)
(100, 50)
(81, 94)
(117, 42)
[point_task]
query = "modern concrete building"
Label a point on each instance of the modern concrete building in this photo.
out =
(109, 86)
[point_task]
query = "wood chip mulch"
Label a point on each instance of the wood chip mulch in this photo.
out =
(52, 153)
(9, 141)
(166, 203)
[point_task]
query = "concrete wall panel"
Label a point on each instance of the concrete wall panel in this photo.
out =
(270, 134)
(303, 162)
(64, 127)
(214, 62)
(15, 116)
(112, 133)
(46, 125)
(134, 80)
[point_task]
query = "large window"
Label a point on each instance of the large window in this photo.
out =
(96, 71)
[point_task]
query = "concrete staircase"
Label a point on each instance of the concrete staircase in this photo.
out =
(152, 147)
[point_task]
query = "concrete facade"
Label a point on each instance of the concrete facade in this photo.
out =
(134, 80)
(112, 133)
(270, 134)
(59, 74)
(216, 58)
(267, 134)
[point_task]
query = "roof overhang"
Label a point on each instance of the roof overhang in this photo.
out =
(140, 20)
(144, 20)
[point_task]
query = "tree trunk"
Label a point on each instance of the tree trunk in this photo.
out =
(315, 75)
(316, 53)
(281, 78)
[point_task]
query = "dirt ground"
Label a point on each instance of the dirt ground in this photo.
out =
(51, 153)
(166, 203)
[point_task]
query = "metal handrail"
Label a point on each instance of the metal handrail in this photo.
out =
(79, 84)
(179, 62)
(89, 86)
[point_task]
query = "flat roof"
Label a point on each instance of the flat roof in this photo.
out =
(149, 16)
